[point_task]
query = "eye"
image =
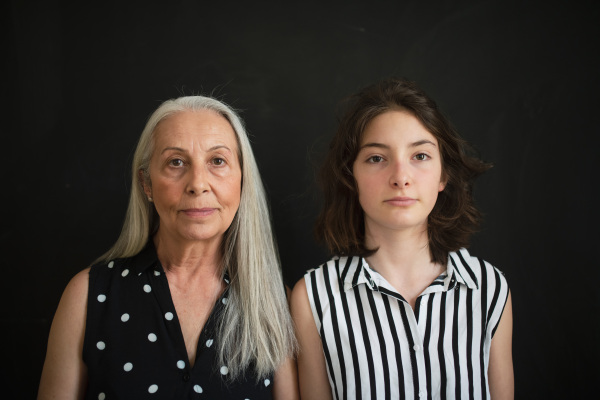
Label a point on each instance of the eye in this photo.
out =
(218, 161)
(176, 162)
(375, 159)
(422, 157)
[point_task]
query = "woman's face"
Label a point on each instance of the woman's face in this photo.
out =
(398, 172)
(195, 176)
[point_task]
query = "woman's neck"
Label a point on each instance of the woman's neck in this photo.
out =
(187, 256)
(403, 259)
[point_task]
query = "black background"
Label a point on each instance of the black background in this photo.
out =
(520, 81)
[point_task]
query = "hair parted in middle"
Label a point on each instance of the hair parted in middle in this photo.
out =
(255, 329)
(454, 217)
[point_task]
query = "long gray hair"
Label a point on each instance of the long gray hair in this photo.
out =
(255, 329)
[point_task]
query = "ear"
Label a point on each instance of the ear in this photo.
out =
(147, 188)
(443, 183)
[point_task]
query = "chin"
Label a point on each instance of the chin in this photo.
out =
(205, 236)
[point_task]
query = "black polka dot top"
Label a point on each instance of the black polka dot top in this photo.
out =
(134, 348)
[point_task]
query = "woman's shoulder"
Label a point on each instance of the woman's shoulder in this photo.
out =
(334, 276)
(337, 264)
(476, 270)
(111, 265)
(117, 266)
(77, 287)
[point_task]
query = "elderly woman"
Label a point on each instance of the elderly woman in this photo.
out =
(189, 302)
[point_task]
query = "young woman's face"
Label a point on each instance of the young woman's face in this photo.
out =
(398, 172)
(195, 176)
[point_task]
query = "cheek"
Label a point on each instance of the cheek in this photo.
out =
(166, 191)
(232, 191)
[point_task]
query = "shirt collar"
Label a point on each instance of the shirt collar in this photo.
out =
(145, 259)
(459, 270)
(357, 271)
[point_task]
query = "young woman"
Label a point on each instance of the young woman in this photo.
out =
(402, 310)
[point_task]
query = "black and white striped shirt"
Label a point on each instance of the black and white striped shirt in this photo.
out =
(377, 347)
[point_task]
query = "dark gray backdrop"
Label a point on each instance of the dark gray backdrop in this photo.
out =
(520, 81)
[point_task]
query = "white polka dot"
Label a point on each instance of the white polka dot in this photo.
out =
(224, 370)
(267, 382)
(128, 367)
(209, 342)
(101, 396)
(224, 300)
(147, 288)
(169, 316)
(139, 274)
(101, 298)
(125, 317)
(110, 265)
(181, 364)
(100, 345)
(156, 273)
(197, 389)
(152, 337)
(125, 273)
(153, 388)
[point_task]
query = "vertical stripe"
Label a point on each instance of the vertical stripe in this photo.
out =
(441, 357)
(484, 317)
(317, 302)
(469, 346)
(336, 335)
(366, 343)
(397, 349)
(455, 353)
(426, 350)
(494, 303)
(350, 330)
(382, 346)
(411, 344)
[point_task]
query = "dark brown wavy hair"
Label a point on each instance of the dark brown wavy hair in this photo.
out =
(454, 218)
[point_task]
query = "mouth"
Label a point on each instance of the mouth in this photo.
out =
(401, 201)
(199, 212)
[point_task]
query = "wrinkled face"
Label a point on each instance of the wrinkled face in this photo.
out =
(195, 176)
(398, 172)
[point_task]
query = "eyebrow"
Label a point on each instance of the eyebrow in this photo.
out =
(385, 146)
(217, 147)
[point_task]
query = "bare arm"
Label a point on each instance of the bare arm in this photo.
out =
(312, 371)
(285, 385)
(500, 372)
(64, 375)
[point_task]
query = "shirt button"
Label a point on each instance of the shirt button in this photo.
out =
(186, 377)
(422, 394)
(416, 347)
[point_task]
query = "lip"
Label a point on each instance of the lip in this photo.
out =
(401, 201)
(199, 212)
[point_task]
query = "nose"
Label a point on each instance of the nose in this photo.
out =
(198, 180)
(400, 174)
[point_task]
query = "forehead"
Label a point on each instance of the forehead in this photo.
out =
(396, 126)
(195, 128)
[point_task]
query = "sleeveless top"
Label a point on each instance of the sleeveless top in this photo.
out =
(377, 347)
(134, 347)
